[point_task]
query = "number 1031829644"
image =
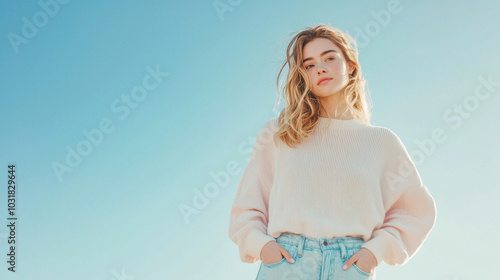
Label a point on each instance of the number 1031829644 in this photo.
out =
(11, 219)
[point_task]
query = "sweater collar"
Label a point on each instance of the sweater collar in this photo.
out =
(338, 123)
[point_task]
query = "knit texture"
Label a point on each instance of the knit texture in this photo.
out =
(347, 179)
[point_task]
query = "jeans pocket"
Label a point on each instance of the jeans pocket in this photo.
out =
(354, 271)
(275, 264)
(290, 249)
(362, 272)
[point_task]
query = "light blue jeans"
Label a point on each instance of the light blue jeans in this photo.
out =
(315, 259)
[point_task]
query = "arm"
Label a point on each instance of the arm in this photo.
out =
(410, 208)
(249, 214)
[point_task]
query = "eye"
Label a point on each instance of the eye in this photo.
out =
(307, 67)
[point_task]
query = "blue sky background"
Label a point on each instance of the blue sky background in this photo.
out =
(117, 213)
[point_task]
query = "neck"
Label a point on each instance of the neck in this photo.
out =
(346, 116)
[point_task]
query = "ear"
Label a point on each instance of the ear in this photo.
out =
(352, 67)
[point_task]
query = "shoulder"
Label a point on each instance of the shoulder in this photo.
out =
(382, 130)
(270, 126)
(386, 135)
(272, 123)
(265, 136)
(394, 148)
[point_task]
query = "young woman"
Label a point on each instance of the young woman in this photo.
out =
(327, 195)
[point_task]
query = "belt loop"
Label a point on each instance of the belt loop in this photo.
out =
(301, 245)
(342, 248)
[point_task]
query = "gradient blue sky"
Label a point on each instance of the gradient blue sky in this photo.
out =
(117, 212)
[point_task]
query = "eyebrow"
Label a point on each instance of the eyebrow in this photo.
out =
(322, 54)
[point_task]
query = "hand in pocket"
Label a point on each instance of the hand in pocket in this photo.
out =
(364, 259)
(273, 252)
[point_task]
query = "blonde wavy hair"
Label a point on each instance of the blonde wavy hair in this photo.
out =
(300, 115)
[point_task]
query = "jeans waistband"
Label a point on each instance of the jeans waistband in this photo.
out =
(338, 243)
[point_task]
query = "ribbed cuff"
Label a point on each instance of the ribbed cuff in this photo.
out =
(256, 241)
(386, 248)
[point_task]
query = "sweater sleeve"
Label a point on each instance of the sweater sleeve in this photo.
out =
(249, 214)
(410, 208)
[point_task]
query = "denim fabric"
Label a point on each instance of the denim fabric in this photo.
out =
(315, 259)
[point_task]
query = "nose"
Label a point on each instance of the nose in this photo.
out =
(321, 69)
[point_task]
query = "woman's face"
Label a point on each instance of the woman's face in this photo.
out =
(323, 59)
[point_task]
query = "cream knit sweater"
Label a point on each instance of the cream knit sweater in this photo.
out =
(348, 179)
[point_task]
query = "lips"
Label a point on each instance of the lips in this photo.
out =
(323, 81)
